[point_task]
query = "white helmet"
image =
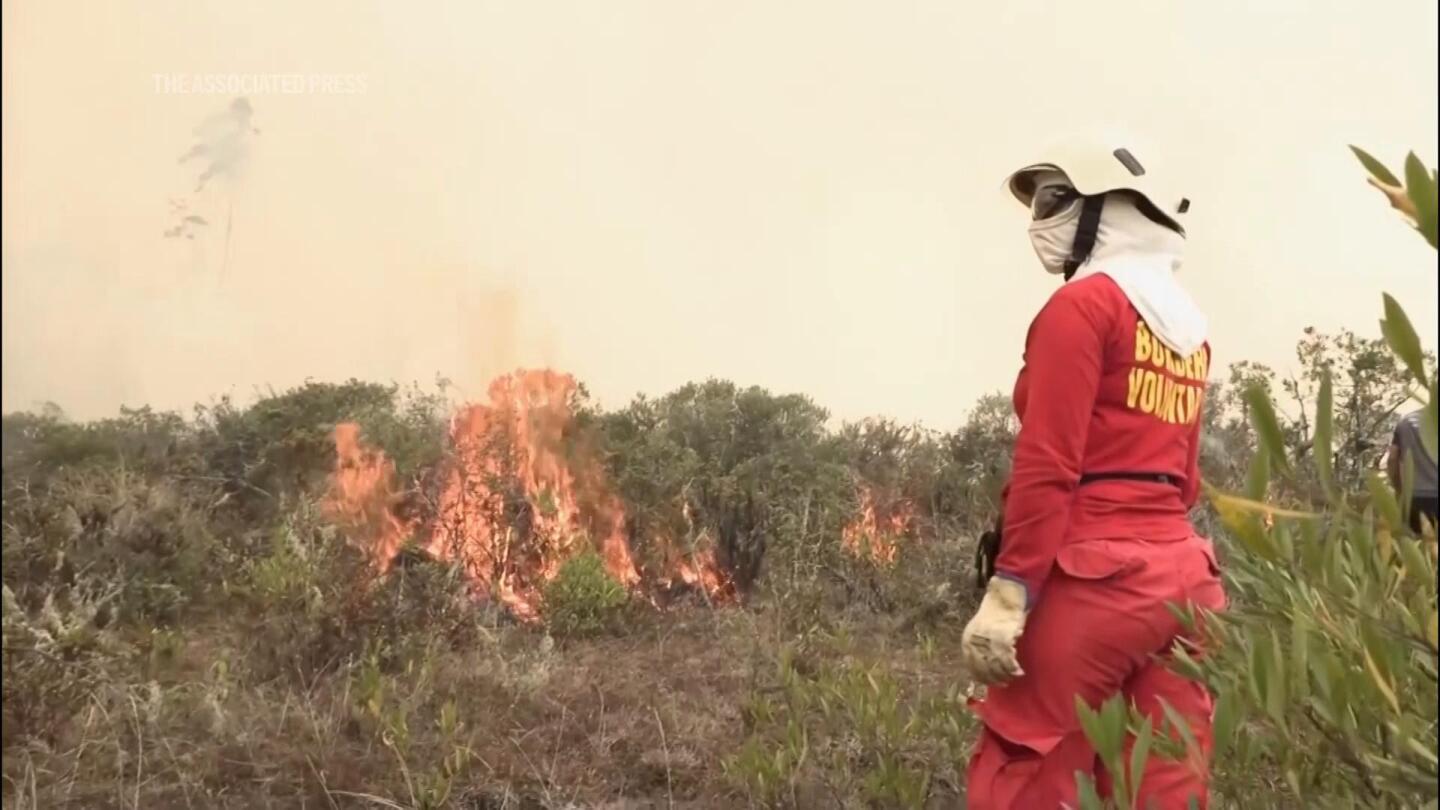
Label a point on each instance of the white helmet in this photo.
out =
(1098, 164)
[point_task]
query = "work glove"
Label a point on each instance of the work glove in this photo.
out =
(987, 648)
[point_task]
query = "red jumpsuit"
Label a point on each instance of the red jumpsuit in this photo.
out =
(1100, 560)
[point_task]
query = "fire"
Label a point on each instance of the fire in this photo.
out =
(518, 498)
(363, 497)
(704, 572)
(700, 571)
(876, 531)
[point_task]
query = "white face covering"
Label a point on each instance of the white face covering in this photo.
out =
(1054, 236)
(1137, 253)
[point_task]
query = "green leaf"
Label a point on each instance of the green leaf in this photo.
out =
(1091, 724)
(1400, 335)
(1420, 186)
(1140, 754)
(1322, 679)
(1259, 679)
(1324, 434)
(1300, 655)
(1375, 167)
(1226, 719)
(1184, 665)
(1280, 534)
(1417, 567)
(1258, 479)
(1383, 498)
(1116, 722)
(1267, 426)
(1088, 795)
(1381, 681)
(1275, 697)
(1182, 727)
(1312, 548)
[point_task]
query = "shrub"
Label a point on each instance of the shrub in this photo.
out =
(282, 448)
(583, 599)
(147, 540)
(56, 656)
(853, 729)
(315, 604)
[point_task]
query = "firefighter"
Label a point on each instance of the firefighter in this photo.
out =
(1410, 466)
(1096, 543)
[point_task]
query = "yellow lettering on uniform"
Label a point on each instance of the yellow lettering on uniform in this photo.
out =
(1182, 400)
(1148, 393)
(1172, 394)
(1159, 355)
(1177, 365)
(1195, 400)
(1142, 342)
(1203, 361)
(1133, 394)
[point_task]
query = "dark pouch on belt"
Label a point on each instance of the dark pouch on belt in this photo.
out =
(987, 549)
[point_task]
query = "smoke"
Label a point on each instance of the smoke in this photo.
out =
(224, 143)
(222, 147)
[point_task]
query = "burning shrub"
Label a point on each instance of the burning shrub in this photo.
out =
(876, 532)
(741, 471)
(317, 603)
(520, 493)
(583, 599)
(282, 447)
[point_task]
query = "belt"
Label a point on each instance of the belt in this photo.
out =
(1152, 478)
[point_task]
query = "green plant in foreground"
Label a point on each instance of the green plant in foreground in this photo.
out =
(850, 730)
(583, 599)
(431, 781)
(1325, 668)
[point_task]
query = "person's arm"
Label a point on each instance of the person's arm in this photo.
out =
(1063, 361)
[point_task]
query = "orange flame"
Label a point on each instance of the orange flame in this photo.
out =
(363, 497)
(874, 534)
(700, 570)
(517, 500)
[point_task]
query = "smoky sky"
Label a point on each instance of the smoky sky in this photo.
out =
(804, 196)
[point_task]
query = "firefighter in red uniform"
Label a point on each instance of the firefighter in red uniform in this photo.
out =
(1096, 541)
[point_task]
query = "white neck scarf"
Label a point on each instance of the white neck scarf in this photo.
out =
(1141, 257)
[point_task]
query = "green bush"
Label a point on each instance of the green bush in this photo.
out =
(149, 541)
(583, 599)
(825, 731)
(282, 448)
(314, 604)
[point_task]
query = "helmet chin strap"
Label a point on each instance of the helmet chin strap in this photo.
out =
(1085, 233)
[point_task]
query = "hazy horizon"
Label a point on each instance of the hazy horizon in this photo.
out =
(804, 196)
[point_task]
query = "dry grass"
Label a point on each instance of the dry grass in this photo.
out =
(640, 720)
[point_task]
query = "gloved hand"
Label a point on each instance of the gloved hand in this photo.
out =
(987, 648)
